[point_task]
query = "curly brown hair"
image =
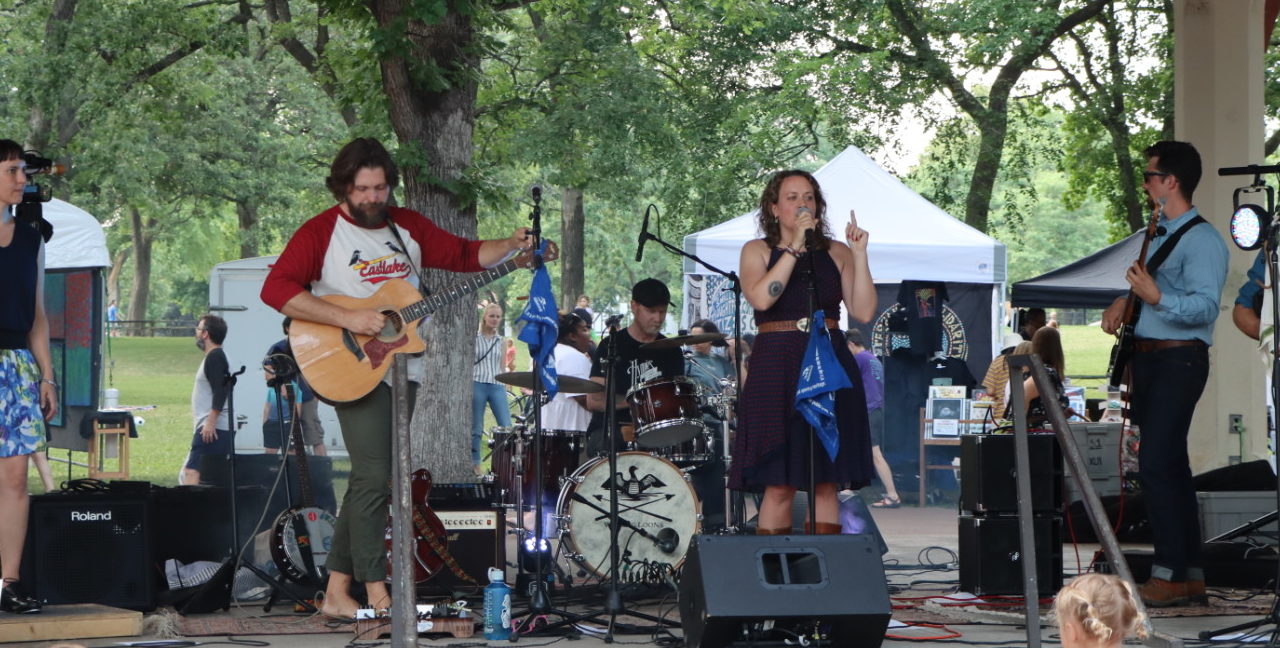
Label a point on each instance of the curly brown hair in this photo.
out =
(362, 153)
(769, 222)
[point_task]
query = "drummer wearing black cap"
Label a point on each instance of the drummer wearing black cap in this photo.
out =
(633, 365)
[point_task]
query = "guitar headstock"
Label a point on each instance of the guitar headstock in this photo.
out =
(528, 259)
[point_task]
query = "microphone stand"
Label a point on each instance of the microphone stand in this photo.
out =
(215, 593)
(811, 277)
(732, 509)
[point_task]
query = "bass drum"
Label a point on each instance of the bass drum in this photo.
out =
(653, 495)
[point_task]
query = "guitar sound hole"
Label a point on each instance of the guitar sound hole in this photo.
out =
(392, 326)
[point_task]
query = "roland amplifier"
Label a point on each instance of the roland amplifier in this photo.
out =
(477, 541)
(91, 548)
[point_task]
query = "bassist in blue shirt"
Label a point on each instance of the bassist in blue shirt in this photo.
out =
(1179, 297)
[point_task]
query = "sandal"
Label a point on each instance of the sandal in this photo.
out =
(888, 503)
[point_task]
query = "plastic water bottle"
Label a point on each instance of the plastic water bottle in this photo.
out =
(497, 606)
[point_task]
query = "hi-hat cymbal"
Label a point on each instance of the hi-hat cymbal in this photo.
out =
(566, 384)
(682, 340)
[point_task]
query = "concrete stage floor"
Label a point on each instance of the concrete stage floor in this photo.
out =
(915, 536)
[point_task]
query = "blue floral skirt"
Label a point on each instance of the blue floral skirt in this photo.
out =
(22, 429)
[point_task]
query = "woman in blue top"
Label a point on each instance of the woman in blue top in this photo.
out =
(28, 395)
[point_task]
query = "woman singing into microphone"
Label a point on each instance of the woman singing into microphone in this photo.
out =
(770, 449)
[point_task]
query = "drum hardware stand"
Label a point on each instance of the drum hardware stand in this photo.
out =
(733, 499)
(216, 592)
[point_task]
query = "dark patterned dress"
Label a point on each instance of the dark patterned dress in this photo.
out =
(769, 449)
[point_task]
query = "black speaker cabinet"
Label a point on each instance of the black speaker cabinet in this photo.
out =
(262, 470)
(991, 555)
(477, 541)
(988, 473)
(732, 580)
(91, 548)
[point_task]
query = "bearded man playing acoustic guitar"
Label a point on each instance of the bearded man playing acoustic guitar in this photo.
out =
(349, 250)
(1170, 364)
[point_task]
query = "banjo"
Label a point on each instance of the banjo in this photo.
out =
(302, 535)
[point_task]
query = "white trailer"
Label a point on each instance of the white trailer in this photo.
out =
(252, 327)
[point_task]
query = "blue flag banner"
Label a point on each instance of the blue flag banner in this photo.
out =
(542, 324)
(820, 376)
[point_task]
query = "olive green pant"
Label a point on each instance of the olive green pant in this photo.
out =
(359, 536)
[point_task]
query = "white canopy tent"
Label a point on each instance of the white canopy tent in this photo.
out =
(911, 238)
(78, 240)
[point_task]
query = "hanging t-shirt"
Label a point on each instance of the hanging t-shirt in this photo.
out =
(922, 301)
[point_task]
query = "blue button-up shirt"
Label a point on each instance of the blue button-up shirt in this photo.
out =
(1256, 278)
(1190, 282)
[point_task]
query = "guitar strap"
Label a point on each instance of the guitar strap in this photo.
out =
(424, 531)
(423, 288)
(1163, 253)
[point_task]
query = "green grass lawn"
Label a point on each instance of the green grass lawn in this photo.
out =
(1088, 351)
(160, 372)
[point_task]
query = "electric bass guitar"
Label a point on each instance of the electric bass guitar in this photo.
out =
(1122, 352)
(302, 535)
(342, 366)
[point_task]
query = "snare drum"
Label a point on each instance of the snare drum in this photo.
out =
(653, 495)
(694, 452)
(559, 459)
(666, 412)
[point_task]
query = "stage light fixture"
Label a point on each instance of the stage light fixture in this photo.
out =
(529, 551)
(1251, 223)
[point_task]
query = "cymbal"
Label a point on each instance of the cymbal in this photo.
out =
(566, 384)
(682, 340)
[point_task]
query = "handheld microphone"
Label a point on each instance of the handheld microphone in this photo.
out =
(808, 231)
(644, 235)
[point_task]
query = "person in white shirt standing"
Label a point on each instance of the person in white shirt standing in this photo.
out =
(567, 411)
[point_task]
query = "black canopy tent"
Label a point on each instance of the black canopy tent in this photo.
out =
(1092, 282)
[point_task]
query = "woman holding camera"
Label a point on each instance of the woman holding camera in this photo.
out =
(28, 395)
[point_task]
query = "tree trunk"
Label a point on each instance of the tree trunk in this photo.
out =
(141, 290)
(434, 125)
(572, 247)
(994, 126)
(113, 277)
(248, 216)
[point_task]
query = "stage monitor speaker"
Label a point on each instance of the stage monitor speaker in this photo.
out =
(991, 555)
(988, 473)
(91, 548)
(730, 581)
(477, 541)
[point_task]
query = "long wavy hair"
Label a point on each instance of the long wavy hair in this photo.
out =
(769, 222)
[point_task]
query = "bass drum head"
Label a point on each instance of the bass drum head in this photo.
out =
(653, 494)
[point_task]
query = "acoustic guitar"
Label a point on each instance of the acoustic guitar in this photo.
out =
(302, 535)
(1126, 338)
(342, 366)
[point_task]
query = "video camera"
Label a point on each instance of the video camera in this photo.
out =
(31, 209)
(37, 165)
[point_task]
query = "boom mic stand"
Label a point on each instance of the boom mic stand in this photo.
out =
(216, 592)
(811, 278)
(733, 502)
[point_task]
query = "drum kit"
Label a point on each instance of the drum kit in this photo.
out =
(659, 510)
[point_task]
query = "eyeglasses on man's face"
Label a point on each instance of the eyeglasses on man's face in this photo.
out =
(1147, 175)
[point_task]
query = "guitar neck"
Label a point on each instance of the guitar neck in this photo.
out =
(300, 450)
(428, 305)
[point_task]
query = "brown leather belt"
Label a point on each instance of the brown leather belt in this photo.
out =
(793, 325)
(1147, 346)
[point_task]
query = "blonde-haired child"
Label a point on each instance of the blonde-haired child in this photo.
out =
(1098, 610)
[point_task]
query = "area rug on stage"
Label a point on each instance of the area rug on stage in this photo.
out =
(203, 625)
